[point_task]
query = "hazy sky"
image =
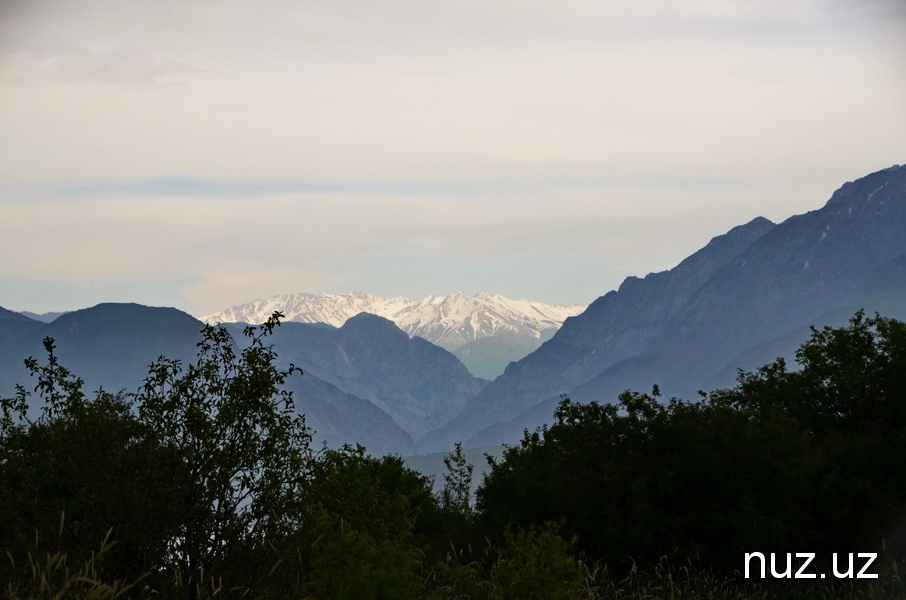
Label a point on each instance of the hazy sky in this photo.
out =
(203, 153)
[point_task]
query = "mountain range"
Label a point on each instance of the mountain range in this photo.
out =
(366, 382)
(485, 331)
(745, 298)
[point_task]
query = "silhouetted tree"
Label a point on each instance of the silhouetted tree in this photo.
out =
(244, 451)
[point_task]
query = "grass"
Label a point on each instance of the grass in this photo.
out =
(47, 576)
(50, 576)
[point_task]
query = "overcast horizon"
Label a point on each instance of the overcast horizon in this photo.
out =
(204, 154)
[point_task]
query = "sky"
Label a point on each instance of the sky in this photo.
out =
(202, 153)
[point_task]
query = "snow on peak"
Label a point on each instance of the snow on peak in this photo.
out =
(449, 321)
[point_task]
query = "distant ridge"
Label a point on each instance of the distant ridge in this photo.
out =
(448, 321)
(745, 298)
(47, 317)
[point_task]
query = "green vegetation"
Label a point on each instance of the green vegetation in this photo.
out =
(204, 484)
(788, 461)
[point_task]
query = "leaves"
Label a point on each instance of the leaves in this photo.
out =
(244, 449)
(456, 496)
(786, 460)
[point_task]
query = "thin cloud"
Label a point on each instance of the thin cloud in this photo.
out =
(189, 187)
(107, 67)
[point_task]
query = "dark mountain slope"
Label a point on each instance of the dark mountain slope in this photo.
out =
(891, 304)
(112, 345)
(803, 268)
(615, 325)
(14, 326)
(339, 418)
(8, 315)
(771, 283)
(109, 345)
(419, 384)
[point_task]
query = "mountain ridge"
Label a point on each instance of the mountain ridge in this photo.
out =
(678, 328)
(111, 345)
(448, 321)
(621, 320)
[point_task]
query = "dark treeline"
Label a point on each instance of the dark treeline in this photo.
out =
(204, 483)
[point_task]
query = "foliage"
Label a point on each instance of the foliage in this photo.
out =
(642, 479)
(243, 448)
(189, 476)
(42, 575)
(204, 485)
(363, 520)
(532, 563)
(785, 461)
(456, 495)
(852, 379)
(82, 475)
(350, 562)
(849, 398)
(378, 495)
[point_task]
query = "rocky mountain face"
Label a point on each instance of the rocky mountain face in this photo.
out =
(759, 285)
(451, 322)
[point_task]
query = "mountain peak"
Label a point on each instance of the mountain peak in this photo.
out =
(368, 322)
(749, 232)
(864, 189)
(759, 222)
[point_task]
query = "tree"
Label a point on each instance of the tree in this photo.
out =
(244, 452)
(80, 471)
(849, 398)
(851, 378)
(785, 460)
(365, 521)
(456, 495)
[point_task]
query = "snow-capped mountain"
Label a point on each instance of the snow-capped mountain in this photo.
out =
(448, 321)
